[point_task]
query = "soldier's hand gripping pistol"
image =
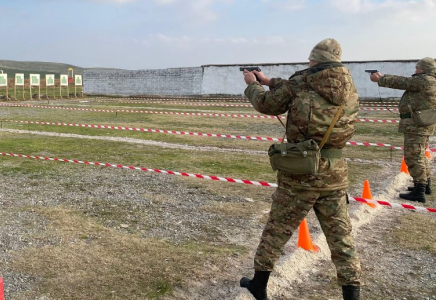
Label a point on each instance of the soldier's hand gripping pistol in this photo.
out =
(251, 69)
(371, 71)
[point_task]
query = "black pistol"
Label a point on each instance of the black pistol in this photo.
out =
(371, 71)
(250, 69)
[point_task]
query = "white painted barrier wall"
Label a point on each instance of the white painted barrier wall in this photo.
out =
(227, 79)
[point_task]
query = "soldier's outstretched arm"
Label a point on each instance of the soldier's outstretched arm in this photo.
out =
(413, 84)
(273, 102)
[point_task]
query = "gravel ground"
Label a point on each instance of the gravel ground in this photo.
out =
(175, 214)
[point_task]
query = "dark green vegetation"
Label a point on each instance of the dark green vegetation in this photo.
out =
(28, 67)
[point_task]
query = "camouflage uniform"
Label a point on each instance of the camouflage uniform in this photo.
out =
(311, 99)
(420, 94)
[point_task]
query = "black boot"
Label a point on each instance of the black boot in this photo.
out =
(418, 194)
(427, 187)
(351, 292)
(257, 286)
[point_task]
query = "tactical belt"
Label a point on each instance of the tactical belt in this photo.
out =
(405, 116)
(331, 153)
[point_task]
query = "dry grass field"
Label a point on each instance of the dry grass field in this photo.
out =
(80, 231)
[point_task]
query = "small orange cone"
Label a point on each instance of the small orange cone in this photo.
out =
(404, 168)
(2, 296)
(428, 152)
(366, 193)
(304, 239)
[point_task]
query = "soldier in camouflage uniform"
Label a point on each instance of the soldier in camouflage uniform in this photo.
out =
(420, 94)
(310, 98)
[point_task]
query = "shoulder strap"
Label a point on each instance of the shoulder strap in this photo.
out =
(335, 119)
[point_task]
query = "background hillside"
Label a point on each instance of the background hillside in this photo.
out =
(11, 67)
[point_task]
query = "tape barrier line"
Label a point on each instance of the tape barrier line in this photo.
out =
(378, 121)
(385, 203)
(216, 178)
(197, 133)
(376, 144)
(189, 104)
(144, 111)
(392, 105)
(376, 108)
(158, 112)
(257, 138)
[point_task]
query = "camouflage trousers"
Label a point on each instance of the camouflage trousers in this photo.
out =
(414, 157)
(289, 209)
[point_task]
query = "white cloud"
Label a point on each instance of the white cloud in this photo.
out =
(409, 10)
(199, 11)
(166, 39)
(286, 4)
(159, 37)
(164, 2)
(115, 1)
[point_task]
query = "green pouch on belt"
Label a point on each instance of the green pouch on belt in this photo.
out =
(423, 117)
(296, 158)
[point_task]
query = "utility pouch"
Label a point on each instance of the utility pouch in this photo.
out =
(296, 158)
(423, 117)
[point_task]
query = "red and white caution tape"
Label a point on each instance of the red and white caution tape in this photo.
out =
(374, 108)
(145, 111)
(258, 138)
(217, 178)
(375, 144)
(226, 179)
(385, 203)
(377, 121)
(384, 104)
(231, 136)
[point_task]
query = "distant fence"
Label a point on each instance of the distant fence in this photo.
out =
(227, 79)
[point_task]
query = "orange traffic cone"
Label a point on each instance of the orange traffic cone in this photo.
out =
(304, 239)
(2, 296)
(366, 193)
(428, 152)
(404, 168)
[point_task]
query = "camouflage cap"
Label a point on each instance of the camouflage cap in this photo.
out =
(426, 64)
(326, 50)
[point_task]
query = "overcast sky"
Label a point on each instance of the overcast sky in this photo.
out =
(157, 34)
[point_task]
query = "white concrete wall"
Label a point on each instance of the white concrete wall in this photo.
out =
(227, 79)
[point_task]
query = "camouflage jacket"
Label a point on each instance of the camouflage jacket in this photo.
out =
(420, 94)
(311, 98)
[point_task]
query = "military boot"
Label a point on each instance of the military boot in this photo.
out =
(418, 194)
(351, 292)
(257, 286)
(427, 187)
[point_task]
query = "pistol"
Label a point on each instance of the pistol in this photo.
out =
(371, 71)
(250, 69)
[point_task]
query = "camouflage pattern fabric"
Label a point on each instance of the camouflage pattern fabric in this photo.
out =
(289, 208)
(414, 157)
(311, 99)
(420, 94)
